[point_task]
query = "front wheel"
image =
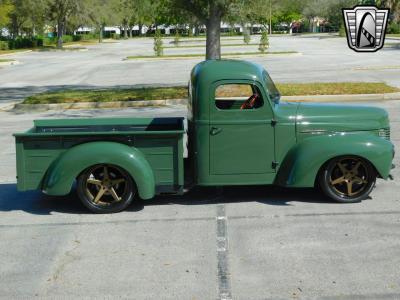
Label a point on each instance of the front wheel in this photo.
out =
(347, 179)
(106, 188)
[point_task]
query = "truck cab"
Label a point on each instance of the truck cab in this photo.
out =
(231, 123)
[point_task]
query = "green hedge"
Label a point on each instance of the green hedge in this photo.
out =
(4, 45)
(85, 37)
(394, 28)
(22, 43)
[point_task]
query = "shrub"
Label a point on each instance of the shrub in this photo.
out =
(246, 36)
(264, 42)
(67, 38)
(342, 31)
(21, 43)
(177, 37)
(393, 28)
(3, 45)
(158, 44)
(115, 36)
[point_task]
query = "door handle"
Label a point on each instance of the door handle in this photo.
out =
(215, 130)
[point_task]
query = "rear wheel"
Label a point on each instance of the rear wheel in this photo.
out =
(106, 188)
(347, 179)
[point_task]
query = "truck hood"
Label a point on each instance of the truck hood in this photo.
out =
(315, 117)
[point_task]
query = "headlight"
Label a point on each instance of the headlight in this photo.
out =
(384, 133)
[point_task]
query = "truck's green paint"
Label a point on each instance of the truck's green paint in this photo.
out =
(62, 173)
(54, 152)
(279, 143)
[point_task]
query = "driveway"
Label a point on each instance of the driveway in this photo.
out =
(235, 243)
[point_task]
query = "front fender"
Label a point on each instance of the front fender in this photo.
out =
(62, 173)
(301, 165)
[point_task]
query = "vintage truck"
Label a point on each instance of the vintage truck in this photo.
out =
(238, 133)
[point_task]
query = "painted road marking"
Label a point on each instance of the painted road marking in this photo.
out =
(224, 277)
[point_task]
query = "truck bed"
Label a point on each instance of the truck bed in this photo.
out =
(159, 139)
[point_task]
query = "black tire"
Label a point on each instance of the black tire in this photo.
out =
(106, 189)
(347, 179)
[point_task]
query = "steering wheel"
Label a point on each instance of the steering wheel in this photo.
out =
(249, 103)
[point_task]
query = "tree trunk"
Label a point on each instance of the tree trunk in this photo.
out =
(126, 31)
(213, 47)
(140, 29)
(15, 27)
(130, 32)
(60, 32)
(101, 34)
(270, 17)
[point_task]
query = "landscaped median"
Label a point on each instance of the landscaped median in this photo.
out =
(7, 62)
(160, 96)
(201, 55)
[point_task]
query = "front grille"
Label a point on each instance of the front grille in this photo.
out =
(385, 133)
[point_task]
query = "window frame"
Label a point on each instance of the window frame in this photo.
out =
(216, 113)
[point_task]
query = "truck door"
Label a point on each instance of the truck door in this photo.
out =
(242, 137)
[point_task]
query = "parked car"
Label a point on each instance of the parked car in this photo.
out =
(239, 133)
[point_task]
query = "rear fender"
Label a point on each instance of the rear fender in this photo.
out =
(302, 164)
(62, 173)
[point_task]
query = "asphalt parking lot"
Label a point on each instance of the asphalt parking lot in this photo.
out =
(239, 243)
(320, 57)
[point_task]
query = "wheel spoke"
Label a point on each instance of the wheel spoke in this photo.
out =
(117, 181)
(99, 195)
(355, 168)
(114, 195)
(349, 188)
(106, 176)
(342, 168)
(338, 180)
(94, 181)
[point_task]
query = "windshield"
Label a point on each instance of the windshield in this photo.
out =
(273, 92)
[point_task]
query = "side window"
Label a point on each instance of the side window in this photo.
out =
(238, 97)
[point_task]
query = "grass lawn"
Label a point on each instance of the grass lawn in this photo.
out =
(71, 96)
(6, 60)
(335, 88)
(202, 55)
(287, 89)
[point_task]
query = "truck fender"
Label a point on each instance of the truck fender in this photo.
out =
(303, 162)
(64, 170)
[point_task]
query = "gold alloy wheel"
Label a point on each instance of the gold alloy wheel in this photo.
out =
(349, 177)
(106, 185)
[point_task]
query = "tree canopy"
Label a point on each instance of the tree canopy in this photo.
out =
(34, 17)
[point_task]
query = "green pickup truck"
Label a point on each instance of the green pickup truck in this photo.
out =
(238, 133)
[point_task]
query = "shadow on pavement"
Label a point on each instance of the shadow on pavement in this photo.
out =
(37, 203)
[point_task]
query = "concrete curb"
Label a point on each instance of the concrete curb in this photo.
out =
(155, 103)
(15, 53)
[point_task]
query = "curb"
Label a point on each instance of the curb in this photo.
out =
(15, 53)
(158, 103)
